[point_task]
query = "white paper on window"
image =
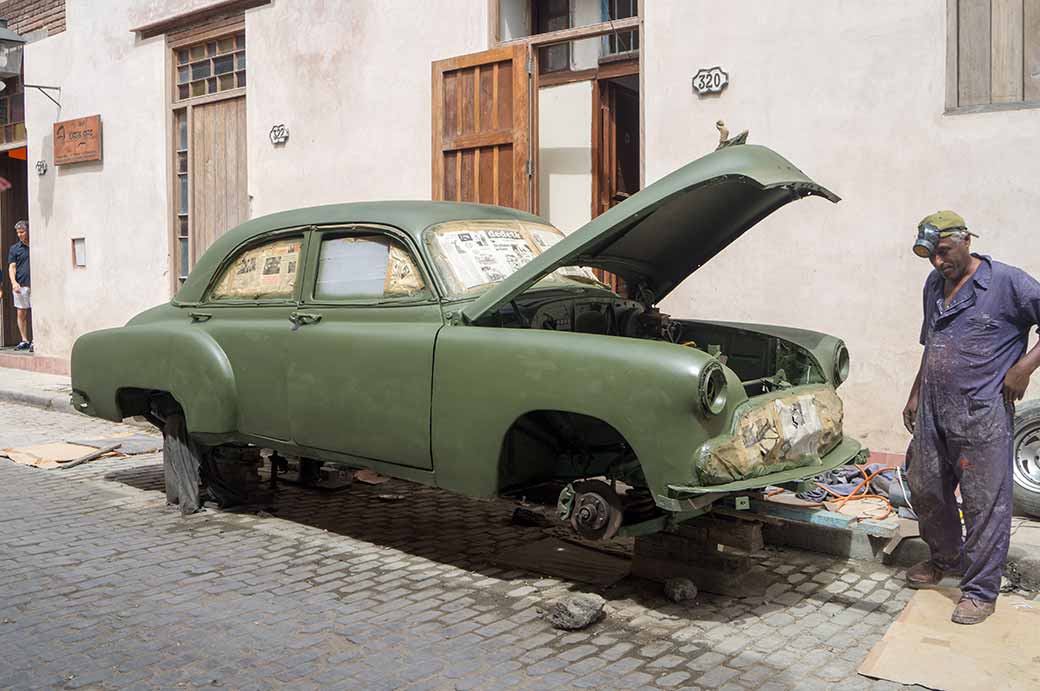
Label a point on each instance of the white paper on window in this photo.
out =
(480, 256)
(265, 271)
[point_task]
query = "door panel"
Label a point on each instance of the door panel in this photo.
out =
(256, 342)
(360, 381)
(218, 170)
(481, 128)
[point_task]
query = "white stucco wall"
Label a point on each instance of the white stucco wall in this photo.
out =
(351, 81)
(853, 94)
(565, 154)
(119, 204)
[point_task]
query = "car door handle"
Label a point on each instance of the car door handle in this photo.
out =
(200, 316)
(298, 319)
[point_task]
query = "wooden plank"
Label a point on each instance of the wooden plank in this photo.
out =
(566, 77)
(486, 99)
(486, 175)
(437, 174)
(974, 52)
(449, 188)
(951, 54)
(1031, 50)
(476, 140)
(620, 68)
(812, 516)
(1006, 61)
(503, 53)
(467, 190)
(579, 32)
(597, 127)
(521, 130)
(467, 102)
(505, 175)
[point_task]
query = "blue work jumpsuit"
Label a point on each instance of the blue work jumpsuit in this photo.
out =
(963, 433)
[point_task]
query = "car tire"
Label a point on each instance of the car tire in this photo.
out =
(1026, 458)
(181, 461)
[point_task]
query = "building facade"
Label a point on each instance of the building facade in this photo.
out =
(215, 111)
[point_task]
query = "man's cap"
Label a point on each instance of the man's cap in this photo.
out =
(946, 222)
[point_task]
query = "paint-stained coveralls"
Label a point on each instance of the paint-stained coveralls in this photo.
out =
(963, 432)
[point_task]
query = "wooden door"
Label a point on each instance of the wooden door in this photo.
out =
(482, 128)
(218, 171)
(14, 206)
(615, 154)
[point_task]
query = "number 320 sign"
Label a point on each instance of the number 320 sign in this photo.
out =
(710, 80)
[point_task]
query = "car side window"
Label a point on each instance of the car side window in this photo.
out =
(366, 267)
(261, 272)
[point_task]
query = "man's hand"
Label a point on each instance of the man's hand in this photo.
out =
(15, 287)
(910, 414)
(1015, 383)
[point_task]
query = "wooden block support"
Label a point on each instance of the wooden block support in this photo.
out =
(661, 556)
(708, 530)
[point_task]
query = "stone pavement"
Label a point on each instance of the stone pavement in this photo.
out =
(105, 587)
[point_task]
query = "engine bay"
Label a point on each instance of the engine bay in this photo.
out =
(763, 363)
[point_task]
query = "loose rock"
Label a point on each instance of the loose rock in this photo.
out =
(573, 612)
(680, 589)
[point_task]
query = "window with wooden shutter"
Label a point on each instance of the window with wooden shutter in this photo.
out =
(992, 54)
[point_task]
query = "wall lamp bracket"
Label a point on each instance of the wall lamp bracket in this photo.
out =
(44, 89)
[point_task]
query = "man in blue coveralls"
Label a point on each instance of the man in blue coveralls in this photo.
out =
(977, 315)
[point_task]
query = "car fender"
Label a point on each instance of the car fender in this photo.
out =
(184, 362)
(485, 378)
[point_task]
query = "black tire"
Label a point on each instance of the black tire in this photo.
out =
(1027, 459)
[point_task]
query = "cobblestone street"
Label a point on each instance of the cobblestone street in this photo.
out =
(105, 587)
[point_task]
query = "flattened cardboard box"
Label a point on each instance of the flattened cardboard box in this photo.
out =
(924, 647)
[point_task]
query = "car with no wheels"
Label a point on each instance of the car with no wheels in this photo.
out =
(472, 348)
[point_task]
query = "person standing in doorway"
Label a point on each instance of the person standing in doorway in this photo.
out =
(18, 268)
(975, 366)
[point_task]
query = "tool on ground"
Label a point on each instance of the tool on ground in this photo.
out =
(92, 456)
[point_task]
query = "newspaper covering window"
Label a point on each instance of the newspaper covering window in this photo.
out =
(477, 254)
(264, 272)
(365, 267)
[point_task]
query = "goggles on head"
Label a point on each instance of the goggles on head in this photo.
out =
(928, 237)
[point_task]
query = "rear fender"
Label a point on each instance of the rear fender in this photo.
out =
(186, 363)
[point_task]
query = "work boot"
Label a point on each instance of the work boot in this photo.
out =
(923, 575)
(969, 611)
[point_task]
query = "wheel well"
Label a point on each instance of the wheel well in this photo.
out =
(544, 445)
(152, 404)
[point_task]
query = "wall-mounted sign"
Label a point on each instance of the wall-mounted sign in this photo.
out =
(710, 80)
(279, 134)
(41, 167)
(77, 140)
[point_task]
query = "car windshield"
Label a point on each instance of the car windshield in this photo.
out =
(472, 256)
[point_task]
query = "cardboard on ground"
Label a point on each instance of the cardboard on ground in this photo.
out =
(924, 647)
(48, 455)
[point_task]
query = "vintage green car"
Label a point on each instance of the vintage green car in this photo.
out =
(470, 347)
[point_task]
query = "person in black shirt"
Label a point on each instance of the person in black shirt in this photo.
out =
(18, 268)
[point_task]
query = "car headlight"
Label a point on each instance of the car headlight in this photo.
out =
(841, 364)
(712, 389)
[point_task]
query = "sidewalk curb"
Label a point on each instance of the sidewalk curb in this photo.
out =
(58, 402)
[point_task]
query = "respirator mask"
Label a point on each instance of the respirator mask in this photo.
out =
(928, 237)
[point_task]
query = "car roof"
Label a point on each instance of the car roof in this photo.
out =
(409, 216)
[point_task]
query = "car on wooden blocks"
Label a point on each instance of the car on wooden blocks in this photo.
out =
(473, 348)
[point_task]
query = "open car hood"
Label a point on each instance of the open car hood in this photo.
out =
(665, 232)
